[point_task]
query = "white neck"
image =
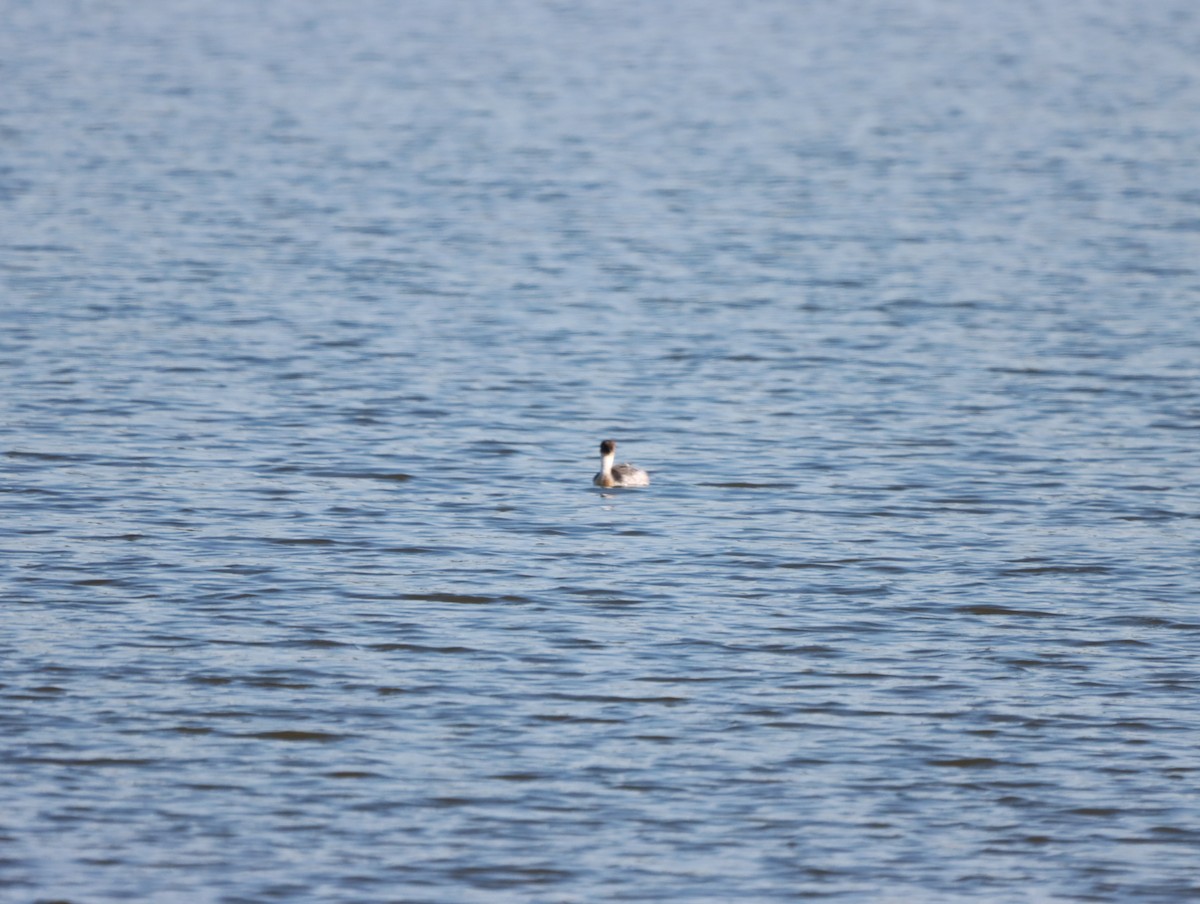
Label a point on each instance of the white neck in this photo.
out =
(606, 462)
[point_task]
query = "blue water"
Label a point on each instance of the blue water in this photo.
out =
(313, 315)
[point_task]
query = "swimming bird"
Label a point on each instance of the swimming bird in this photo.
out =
(618, 475)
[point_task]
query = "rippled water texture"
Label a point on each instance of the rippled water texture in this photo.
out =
(313, 315)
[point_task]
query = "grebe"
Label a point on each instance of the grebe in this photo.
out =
(618, 475)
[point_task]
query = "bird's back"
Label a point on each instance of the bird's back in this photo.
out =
(627, 475)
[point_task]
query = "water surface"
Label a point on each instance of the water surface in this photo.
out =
(312, 318)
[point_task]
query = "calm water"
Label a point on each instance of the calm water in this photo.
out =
(313, 315)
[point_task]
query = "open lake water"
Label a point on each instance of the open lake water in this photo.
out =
(313, 315)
